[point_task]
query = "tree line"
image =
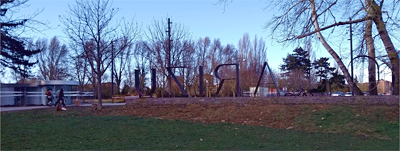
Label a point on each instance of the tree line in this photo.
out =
(99, 43)
(299, 72)
(96, 46)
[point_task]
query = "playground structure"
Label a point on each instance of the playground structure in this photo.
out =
(377, 66)
(272, 76)
(153, 83)
(201, 83)
(320, 90)
(223, 80)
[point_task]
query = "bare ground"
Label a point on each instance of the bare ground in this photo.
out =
(274, 112)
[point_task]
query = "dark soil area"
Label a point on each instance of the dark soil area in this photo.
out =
(274, 112)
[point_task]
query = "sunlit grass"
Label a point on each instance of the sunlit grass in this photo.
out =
(363, 121)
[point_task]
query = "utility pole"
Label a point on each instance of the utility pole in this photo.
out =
(351, 53)
(169, 56)
(112, 69)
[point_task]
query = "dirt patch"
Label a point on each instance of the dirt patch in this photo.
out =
(248, 111)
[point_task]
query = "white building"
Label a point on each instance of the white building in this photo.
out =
(261, 92)
(22, 94)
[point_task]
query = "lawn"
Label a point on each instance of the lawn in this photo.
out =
(80, 129)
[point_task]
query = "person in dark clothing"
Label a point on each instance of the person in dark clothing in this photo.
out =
(60, 95)
(49, 97)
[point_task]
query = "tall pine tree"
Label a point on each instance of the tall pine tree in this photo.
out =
(323, 67)
(298, 60)
(14, 53)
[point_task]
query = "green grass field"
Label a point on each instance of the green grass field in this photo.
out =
(79, 129)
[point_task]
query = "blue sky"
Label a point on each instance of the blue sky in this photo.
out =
(202, 17)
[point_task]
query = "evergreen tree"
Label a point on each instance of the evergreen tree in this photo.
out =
(14, 53)
(298, 60)
(323, 67)
(337, 79)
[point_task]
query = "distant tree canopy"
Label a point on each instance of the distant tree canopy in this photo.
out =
(298, 60)
(53, 60)
(14, 53)
(323, 67)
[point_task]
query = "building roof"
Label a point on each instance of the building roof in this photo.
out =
(41, 83)
(58, 82)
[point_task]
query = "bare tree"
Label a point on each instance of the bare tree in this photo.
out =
(52, 59)
(371, 53)
(375, 12)
(121, 60)
(251, 55)
(189, 73)
(91, 76)
(228, 54)
(303, 18)
(91, 21)
(157, 46)
(80, 67)
(203, 46)
(210, 54)
(215, 55)
(129, 75)
(141, 58)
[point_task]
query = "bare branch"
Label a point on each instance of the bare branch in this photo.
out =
(330, 26)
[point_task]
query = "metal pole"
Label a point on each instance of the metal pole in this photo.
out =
(259, 79)
(169, 57)
(237, 81)
(137, 82)
(112, 69)
(273, 79)
(153, 82)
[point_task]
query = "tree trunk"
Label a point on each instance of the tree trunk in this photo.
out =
(371, 53)
(118, 81)
(392, 54)
(394, 60)
(95, 85)
(99, 95)
(328, 86)
(99, 73)
(354, 88)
